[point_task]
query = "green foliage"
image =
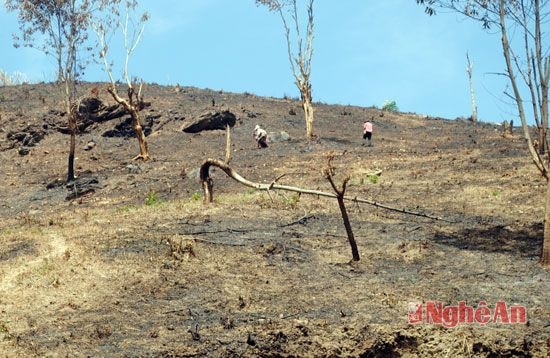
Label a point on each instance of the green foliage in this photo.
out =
(390, 106)
(496, 193)
(4, 327)
(6, 231)
(250, 191)
(4, 330)
(125, 208)
(373, 178)
(196, 196)
(292, 200)
(152, 199)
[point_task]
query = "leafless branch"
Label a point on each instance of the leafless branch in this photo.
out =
(208, 184)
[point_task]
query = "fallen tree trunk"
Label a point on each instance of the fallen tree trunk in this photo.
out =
(207, 185)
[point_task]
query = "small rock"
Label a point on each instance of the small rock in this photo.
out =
(133, 168)
(90, 145)
(167, 265)
(24, 151)
(278, 137)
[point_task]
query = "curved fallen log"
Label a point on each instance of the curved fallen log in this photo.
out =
(207, 185)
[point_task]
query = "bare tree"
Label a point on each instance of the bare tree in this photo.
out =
(132, 33)
(527, 67)
(300, 57)
(470, 70)
(62, 26)
(329, 172)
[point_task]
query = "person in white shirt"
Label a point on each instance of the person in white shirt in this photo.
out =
(261, 137)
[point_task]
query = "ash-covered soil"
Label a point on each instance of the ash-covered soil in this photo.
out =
(139, 266)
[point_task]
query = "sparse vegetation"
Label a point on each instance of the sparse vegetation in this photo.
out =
(152, 199)
(390, 106)
(277, 266)
(5, 331)
(128, 208)
(291, 200)
(373, 178)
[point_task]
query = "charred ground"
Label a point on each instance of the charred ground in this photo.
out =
(139, 266)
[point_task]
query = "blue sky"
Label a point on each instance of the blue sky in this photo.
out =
(365, 52)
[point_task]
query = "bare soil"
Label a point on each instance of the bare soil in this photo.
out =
(139, 266)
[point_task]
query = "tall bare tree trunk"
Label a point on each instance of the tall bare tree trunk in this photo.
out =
(138, 129)
(469, 69)
(541, 166)
(543, 64)
(307, 105)
(71, 124)
(537, 159)
(227, 144)
(300, 54)
(72, 146)
(542, 140)
(545, 257)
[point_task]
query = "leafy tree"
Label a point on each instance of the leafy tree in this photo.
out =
(60, 28)
(299, 54)
(527, 67)
(132, 33)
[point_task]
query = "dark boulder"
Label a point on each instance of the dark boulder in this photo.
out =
(211, 120)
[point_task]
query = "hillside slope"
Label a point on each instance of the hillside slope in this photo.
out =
(141, 267)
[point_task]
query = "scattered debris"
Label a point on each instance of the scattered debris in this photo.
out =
(81, 186)
(24, 151)
(125, 129)
(29, 136)
(133, 168)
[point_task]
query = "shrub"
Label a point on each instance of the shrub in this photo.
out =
(196, 196)
(373, 178)
(152, 199)
(292, 200)
(390, 106)
(125, 208)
